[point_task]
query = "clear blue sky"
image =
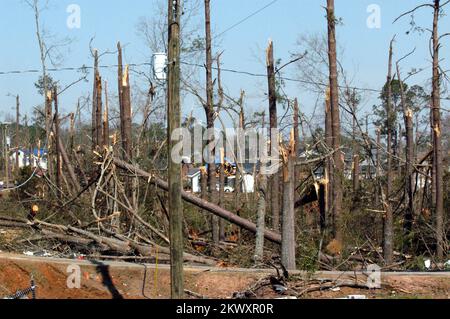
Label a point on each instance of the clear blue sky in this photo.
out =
(109, 21)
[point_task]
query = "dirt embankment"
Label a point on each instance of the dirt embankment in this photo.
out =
(132, 281)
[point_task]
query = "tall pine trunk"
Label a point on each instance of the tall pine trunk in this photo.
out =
(338, 168)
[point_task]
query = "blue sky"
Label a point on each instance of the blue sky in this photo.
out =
(365, 55)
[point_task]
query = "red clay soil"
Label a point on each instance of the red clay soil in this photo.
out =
(100, 281)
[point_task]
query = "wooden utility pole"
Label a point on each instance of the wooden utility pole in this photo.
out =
(274, 179)
(388, 227)
(174, 170)
(437, 140)
(209, 110)
(17, 139)
(338, 168)
(288, 220)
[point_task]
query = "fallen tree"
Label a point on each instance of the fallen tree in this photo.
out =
(200, 203)
(120, 245)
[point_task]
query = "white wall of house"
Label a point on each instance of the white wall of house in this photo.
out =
(248, 183)
(195, 184)
(31, 160)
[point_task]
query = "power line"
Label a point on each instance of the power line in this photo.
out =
(246, 18)
(81, 68)
(227, 70)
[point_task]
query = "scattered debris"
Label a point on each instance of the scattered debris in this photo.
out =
(356, 297)
(23, 294)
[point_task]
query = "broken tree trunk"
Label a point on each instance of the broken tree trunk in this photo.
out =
(275, 178)
(194, 200)
(96, 105)
(210, 114)
(68, 165)
(388, 236)
(261, 206)
(57, 137)
(288, 242)
(126, 115)
(408, 119)
(437, 136)
(338, 168)
(105, 126)
(328, 168)
(48, 128)
(17, 139)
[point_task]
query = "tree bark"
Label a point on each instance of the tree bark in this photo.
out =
(338, 168)
(209, 110)
(328, 168)
(221, 193)
(288, 224)
(408, 119)
(126, 116)
(388, 236)
(261, 207)
(48, 128)
(17, 139)
(437, 142)
(274, 178)
(105, 126)
(355, 172)
(57, 137)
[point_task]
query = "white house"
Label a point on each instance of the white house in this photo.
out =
(36, 158)
(194, 176)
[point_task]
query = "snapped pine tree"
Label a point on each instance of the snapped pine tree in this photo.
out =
(274, 178)
(338, 167)
(210, 116)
